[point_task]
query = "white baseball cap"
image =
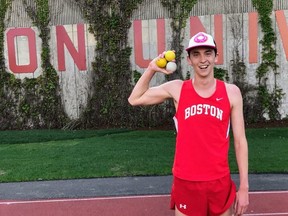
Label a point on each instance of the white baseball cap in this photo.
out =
(201, 39)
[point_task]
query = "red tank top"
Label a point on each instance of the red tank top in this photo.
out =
(202, 141)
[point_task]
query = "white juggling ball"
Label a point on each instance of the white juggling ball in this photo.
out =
(171, 66)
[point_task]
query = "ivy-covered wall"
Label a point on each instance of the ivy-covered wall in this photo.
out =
(38, 103)
(34, 102)
(269, 100)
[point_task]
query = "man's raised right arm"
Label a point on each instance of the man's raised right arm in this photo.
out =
(142, 94)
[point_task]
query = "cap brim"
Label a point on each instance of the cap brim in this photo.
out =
(189, 48)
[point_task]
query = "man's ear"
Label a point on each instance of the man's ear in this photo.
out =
(189, 60)
(216, 57)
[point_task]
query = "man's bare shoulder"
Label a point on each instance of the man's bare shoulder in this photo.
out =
(174, 84)
(232, 88)
(174, 88)
(234, 93)
(177, 81)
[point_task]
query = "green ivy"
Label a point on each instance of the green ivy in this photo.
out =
(109, 22)
(4, 7)
(47, 90)
(221, 74)
(179, 12)
(250, 103)
(36, 102)
(8, 83)
(270, 102)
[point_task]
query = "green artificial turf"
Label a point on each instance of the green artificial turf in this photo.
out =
(57, 154)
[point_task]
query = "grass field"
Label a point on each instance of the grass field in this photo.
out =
(57, 154)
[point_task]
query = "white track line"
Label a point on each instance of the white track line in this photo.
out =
(268, 192)
(116, 197)
(268, 214)
(81, 199)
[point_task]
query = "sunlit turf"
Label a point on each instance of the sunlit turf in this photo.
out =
(56, 154)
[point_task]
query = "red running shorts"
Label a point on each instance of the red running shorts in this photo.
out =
(200, 198)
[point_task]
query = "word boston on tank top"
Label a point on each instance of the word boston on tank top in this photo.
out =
(202, 141)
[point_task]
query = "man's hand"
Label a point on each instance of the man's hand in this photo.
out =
(241, 202)
(153, 66)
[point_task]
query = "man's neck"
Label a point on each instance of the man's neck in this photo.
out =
(203, 82)
(204, 87)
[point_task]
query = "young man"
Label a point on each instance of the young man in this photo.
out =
(205, 107)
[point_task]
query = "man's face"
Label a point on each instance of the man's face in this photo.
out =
(202, 59)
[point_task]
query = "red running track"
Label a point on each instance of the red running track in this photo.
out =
(261, 204)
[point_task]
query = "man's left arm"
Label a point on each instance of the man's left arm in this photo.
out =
(241, 148)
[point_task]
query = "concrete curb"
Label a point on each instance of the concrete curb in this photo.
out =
(124, 186)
